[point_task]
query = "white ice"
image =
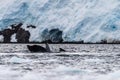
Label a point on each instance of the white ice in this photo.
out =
(88, 20)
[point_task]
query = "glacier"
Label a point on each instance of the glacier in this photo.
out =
(88, 20)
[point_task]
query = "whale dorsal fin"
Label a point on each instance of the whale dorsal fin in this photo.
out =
(47, 47)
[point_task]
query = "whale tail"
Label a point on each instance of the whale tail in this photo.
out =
(47, 47)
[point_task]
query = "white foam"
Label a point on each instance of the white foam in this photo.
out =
(59, 73)
(18, 60)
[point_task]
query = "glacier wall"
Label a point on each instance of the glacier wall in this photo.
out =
(88, 20)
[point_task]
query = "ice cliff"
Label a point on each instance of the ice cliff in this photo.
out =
(88, 20)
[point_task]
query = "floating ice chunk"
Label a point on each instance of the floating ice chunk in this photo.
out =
(18, 60)
(69, 70)
(94, 60)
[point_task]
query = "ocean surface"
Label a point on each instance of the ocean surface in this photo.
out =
(80, 62)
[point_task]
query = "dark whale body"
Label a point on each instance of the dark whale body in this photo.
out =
(62, 50)
(36, 48)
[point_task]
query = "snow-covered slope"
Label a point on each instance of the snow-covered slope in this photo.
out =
(89, 20)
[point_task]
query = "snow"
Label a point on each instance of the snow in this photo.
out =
(13, 38)
(88, 20)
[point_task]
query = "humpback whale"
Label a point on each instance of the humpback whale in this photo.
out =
(37, 48)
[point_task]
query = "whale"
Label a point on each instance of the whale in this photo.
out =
(38, 48)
